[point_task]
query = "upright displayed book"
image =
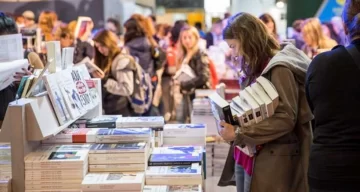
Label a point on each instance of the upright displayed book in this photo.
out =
(174, 175)
(57, 98)
(180, 155)
(113, 182)
(53, 50)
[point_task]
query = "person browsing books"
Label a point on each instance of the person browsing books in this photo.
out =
(195, 64)
(332, 88)
(282, 141)
(118, 81)
(7, 95)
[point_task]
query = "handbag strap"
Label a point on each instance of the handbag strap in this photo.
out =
(355, 54)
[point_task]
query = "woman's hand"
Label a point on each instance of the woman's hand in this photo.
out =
(228, 131)
(97, 74)
(19, 75)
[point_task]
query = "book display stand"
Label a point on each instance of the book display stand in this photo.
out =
(27, 122)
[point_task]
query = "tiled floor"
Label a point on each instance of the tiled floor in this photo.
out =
(211, 186)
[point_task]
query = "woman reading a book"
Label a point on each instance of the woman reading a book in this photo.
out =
(7, 95)
(194, 63)
(282, 141)
(332, 88)
(118, 82)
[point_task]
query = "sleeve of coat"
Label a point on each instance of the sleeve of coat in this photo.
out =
(284, 119)
(203, 74)
(123, 84)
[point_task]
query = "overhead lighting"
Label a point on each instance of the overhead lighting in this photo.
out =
(280, 4)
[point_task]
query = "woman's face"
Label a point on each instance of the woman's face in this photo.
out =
(270, 27)
(102, 49)
(188, 40)
(66, 41)
(234, 47)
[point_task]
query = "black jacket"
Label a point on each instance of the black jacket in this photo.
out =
(333, 92)
(7, 95)
(141, 49)
(83, 49)
(199, 63)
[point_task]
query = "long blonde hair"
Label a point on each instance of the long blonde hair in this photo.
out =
(47, 21)
(182, 52)
(257, 45)
(313, 30)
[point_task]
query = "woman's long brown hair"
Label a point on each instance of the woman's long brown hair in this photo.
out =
(148, 28)
(256, 44)
(108, 39)
(47, 21)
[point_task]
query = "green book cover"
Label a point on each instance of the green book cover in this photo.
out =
(21, 86)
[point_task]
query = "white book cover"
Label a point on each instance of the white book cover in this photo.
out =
(253, 104)
(267, 100)
(269, 89)
(9, 68)
(57, 99)
(11, 47)
(258, 100)
(135, 122)
(184, 130)
(159, 188)
(113, 181)
(193, 170)
(185, 73)
(246, 108)
(67, 57)
(53, 52)
(185, 188)
(220, 89)
(82, 87)
(70, 94)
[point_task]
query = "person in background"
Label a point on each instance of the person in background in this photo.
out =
(83, 47)
(190, 54)
(339, 29)
(20, 21)
(169, 72)
(314, 38)
(214, 37)
(66, 38)
(160, 32)
(152, 19)
(331, 33)
(114, 26)
(282, 141)
(270, 25)
(29, 19)
(333, 82)
(198, 26)
(7, 95)
(118, 82)
(47, 22)
(299, 42)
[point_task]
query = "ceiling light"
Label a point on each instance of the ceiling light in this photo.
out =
(280, 4)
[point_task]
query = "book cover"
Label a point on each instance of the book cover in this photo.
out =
(104, 121)
(174, 159)
(27, 85)
(180, 170)
(178, 150)
(118, 148)
(82, 88)
(57, 98)
(220, 89)
(67, 57)
(147, 122)
(53, 52)
(71, 96)
(21, 86)
(184, 130)
(221, 110)
(139, 132)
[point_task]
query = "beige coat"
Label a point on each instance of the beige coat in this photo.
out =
(281, 166)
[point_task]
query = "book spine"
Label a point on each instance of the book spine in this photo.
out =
(228, 117)
(257, 114)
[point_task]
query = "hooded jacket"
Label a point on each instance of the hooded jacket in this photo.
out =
(281, 165)
(140, 49)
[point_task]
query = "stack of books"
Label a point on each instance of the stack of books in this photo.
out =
(126, 157)
(5, 185)
(172, 188)
(111, 182)
(73, 135)
(202, 114)
(175, 165)
(5, 161)
(60, 167)
(184, 134)
(209, 159)
(221, 150)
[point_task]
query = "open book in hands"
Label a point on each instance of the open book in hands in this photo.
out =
(91, 66)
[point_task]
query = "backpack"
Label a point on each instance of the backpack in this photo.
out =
(159, 57)
(141, 99)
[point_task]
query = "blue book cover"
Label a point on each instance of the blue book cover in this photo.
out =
(140, 131)
(183, 169)
(120, 146)
(178, 150)
(195, 126)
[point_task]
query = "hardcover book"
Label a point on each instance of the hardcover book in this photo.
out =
(53, 52)
(56, 98)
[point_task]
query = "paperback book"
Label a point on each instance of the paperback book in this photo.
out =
(119, 148)
(174, 175)
(104, 121)
(123, 135)
(69, 135)
(82, 87)
(167, 156)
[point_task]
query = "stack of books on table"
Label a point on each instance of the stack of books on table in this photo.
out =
(175, 166)
(184, 134)
(5, 161)
(5, 185)
(221, 150)
(172, 188)
(126, 157)
(202, 114)
(209, 159)
(56, 167)
(111, 182)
